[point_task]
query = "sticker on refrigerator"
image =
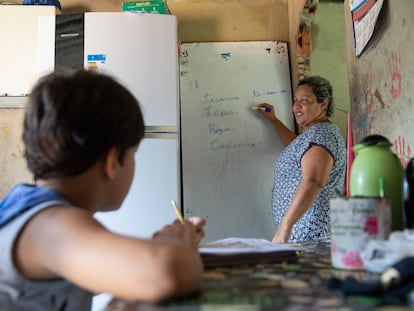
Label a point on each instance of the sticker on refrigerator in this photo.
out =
(96, 61)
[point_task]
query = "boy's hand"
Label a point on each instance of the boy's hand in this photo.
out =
(190, 232)
(198, 223)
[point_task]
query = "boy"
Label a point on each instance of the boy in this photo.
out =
(81, 131)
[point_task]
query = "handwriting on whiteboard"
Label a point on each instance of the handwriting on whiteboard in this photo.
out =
(214, 99)
(218, 108)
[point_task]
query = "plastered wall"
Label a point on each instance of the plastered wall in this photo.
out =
(329, 56)
(381, 80)
(198, 20)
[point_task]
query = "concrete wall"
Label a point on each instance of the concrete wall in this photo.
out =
(381, 80)
(329, 56)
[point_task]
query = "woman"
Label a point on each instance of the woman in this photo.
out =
(311, 168)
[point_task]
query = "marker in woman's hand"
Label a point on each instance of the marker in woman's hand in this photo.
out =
(267, 109)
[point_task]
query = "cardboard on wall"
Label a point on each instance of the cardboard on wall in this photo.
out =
(231, 20)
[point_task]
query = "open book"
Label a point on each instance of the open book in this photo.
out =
(234, 251)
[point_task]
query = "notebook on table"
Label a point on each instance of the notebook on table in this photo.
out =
(235, 251)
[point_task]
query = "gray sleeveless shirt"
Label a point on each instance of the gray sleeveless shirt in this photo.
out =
(17, 293)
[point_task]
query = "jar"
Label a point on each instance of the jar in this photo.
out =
(377, 172)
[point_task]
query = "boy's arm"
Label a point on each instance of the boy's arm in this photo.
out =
(62, 242)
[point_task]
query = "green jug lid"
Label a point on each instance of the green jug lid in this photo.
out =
(372, 140)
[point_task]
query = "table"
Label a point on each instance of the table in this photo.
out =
(299, 285)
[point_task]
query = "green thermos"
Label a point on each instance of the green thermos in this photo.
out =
(377, 171)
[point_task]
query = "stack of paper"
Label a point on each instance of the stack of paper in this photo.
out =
(233, 251)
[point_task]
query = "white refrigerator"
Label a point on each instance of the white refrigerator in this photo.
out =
(141, 51)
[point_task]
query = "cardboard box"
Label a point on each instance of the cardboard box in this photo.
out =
(151, 6)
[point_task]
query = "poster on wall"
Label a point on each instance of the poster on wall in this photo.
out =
(364, 17)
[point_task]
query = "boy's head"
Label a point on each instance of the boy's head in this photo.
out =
(74, 118)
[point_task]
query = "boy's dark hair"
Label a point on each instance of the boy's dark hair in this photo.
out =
(322, 89)
(74, 118)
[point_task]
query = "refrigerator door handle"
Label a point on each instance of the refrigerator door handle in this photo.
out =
(163, 129)
(161, 135)
(165, 132)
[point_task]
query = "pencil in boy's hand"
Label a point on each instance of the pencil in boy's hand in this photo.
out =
(177, 211)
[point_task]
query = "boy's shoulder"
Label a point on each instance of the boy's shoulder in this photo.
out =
(23, 197)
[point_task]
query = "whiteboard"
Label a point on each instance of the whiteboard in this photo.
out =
(228, 150)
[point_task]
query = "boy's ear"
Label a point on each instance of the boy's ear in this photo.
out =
(111, 163)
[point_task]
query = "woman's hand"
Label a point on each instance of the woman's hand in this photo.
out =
(282, 235)
(269, 114)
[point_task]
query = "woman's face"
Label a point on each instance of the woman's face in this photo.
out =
(306, 109)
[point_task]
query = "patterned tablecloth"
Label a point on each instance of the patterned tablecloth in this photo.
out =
(298, 285)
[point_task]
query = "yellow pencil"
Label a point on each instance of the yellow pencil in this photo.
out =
(177, 211)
